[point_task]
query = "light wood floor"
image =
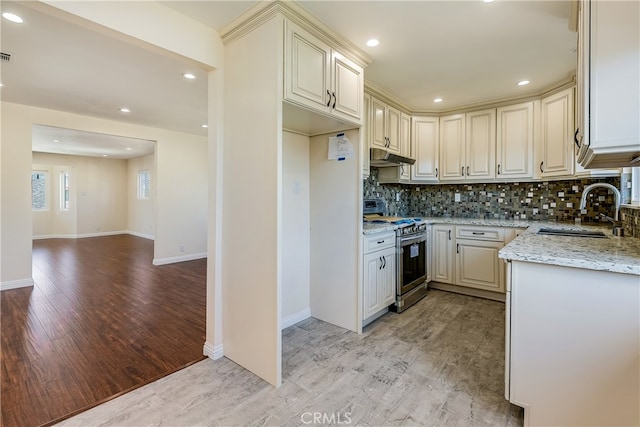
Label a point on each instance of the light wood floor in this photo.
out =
(440, 363)
(99, 321)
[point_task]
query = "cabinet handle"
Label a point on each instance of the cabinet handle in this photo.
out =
(384, 259)
(463, 171)
(380, 241)
(380, 268)
(541, 163)
(575, 138)
(449, 234)
(457, 248)
(334, 101)
(478, 233)
(436, 172)
(498, 168)
(402, 169)
(329, 101)
(467, 170)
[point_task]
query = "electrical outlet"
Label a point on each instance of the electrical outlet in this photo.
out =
(457, 197)
(397, 197)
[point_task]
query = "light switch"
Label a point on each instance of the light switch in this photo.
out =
(457, 197)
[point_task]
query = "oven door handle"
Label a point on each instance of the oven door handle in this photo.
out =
(411, 240)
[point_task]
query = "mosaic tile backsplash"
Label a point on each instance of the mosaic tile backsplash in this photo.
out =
(631, 221)
(547, 201)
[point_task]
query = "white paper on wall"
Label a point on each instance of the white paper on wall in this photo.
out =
(340, 148)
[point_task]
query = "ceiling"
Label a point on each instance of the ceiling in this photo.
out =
(466, 52)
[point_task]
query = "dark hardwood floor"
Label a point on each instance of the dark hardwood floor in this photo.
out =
(101, 320)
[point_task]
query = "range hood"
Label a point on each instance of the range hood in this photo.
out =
(383, 159)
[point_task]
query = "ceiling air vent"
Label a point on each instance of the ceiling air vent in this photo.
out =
(5, 57)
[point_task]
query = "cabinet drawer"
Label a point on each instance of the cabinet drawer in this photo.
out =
(376, 242)
(480, 233)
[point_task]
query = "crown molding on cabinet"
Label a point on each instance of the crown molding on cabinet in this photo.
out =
(386, 96)
(266, 10)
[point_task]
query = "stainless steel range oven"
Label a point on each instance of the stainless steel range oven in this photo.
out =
(412, 244)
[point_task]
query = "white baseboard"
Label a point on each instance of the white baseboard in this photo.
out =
(14, 284)
(181, 258)
(144, 236)
(294, 318)
(79, 236)
(213, 352)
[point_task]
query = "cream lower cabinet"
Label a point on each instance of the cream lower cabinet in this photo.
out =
(478, 266)
(379, 280)
(442, 255)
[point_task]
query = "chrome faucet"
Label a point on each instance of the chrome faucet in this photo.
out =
(616, 192)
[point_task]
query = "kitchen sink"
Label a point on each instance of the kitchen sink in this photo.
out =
(571, 233)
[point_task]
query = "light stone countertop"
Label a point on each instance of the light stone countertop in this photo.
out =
(614, 254)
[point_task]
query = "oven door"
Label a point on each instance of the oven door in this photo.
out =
(412, 262)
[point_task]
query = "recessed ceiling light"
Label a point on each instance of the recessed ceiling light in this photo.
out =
(189, 76)
(437, 100)
(12, 17)
(128, 148)
(125, 110)
(373, 42)
(56, 140)
(523, 82)
(1, 85)
(204, 126)
(487, 1)
(105, 155)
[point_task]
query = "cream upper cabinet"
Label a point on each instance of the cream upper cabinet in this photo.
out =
(556, 135)
(320, 78)
(609, 83)
(452, 147)
(385, 127)
(425, 148)
(405, 145)
(365, 134)
(480, 151)
(514, 141)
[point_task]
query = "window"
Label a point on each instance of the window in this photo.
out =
(64, 191)
(144, 178)
(39, 190)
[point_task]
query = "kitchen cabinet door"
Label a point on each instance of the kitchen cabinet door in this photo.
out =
(443, 253)
(347, 88)
(481, 145)
(365, 134)
(609, 82)
(478, 265)
(514, 141)
(379, 281)
(378, 123)
(307, 69)
(405, 145)
(557, 135)
(425, 148)
(452, 148)
(393, 130)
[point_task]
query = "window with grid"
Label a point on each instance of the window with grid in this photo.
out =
(144, 182)
(64, 191)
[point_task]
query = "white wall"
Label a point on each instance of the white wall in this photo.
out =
(295, 228)
(251, 251)
(140, 212)
(181, 190)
